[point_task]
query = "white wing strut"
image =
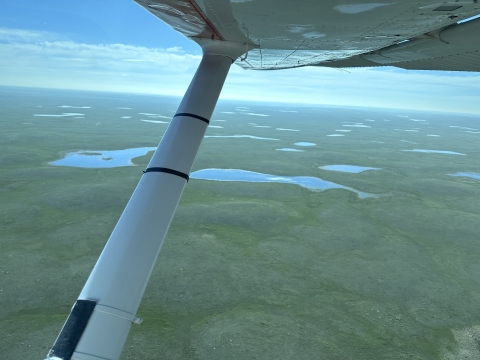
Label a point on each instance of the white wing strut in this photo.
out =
(100, 320)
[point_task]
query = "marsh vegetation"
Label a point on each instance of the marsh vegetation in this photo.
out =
(250, 270)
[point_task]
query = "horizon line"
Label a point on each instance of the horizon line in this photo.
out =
(237, 99)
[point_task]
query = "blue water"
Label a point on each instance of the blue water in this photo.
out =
(358, 126)
(102, 158)
(348, 168)
(253, 114)
(435, 151)
(290, 149)
(475, 176)
(308, 182)
(304, 143)
(464, 128)
(75, 107)
(239, 136)
(59, 115)
(155, 121)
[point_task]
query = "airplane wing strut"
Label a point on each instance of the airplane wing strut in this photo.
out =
(117, 283)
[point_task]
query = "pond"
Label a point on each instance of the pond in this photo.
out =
(304, 143)
(475, 176)
(435, 151)
(102, 158)
(311, 183)
(290, 150)
(239, 136)
(347, 168)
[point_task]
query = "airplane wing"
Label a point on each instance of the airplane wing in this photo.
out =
(421, 34)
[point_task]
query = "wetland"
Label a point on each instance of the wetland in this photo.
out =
(249, 270)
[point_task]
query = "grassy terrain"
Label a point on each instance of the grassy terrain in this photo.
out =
(250, 270)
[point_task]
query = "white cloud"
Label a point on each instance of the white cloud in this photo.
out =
(389, 88)
(33, 61)
(21, 35)
(39, 60)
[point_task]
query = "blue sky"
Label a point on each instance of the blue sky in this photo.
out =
(93, 22)
(115, 45)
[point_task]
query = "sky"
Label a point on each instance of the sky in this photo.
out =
(115, 45)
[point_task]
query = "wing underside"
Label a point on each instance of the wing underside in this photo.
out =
(425, 35)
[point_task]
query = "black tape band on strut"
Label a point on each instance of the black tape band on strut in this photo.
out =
(168, 171)
(73, 329)
(193, 116)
